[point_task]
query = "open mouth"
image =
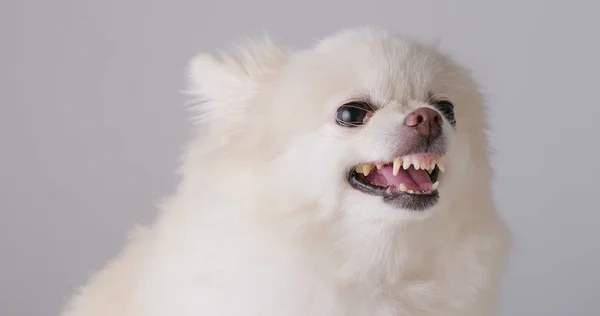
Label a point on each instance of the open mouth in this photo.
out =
(409, 182)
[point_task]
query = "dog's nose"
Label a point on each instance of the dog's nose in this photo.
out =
(426, 121)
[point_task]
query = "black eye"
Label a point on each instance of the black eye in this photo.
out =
(447, 109)
(353, 114)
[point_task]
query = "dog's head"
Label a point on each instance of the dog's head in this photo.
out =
(366, 124)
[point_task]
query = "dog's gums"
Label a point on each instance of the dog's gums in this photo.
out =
(409, 182)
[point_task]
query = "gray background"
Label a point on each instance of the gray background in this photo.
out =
(92, 122)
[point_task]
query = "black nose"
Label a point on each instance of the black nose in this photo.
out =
(425, 121)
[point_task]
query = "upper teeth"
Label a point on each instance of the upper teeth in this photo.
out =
(418, 162)
(364, 169)
(427, 163)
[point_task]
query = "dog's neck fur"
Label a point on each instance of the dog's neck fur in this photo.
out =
(374, 255)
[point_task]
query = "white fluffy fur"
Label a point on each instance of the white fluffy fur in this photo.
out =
(264, 221)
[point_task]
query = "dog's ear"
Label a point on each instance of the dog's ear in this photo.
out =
(223, 87)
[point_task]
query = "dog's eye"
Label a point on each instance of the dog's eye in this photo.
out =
(353, 114)
(447, 109)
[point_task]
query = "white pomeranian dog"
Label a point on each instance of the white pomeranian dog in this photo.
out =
(350, 178)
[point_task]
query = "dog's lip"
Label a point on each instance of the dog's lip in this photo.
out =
(353, 179)
(399, 200)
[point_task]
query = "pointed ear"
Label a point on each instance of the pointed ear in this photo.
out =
(222, 88)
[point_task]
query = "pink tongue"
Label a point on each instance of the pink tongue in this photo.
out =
(416, 180)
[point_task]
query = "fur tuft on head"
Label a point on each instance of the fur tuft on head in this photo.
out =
(222, 86)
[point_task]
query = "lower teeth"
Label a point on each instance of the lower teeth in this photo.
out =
(403, 188)
(390, 190)
(419, 192)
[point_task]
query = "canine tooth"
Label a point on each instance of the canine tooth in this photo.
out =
(406, 163)
(442, 169)
(402, 187)
(435, 186)
(361, 168)
(397, 163)
(367, 169)
(358, 169)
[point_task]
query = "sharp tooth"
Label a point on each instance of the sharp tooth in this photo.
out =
(362, 169)
(442, 169)
(359, 169)
(397, 163)
(429, 170)
(367, 169)
(411, 191)
(435, 186)
(402, 187)
(406, 163)
(378, 166)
